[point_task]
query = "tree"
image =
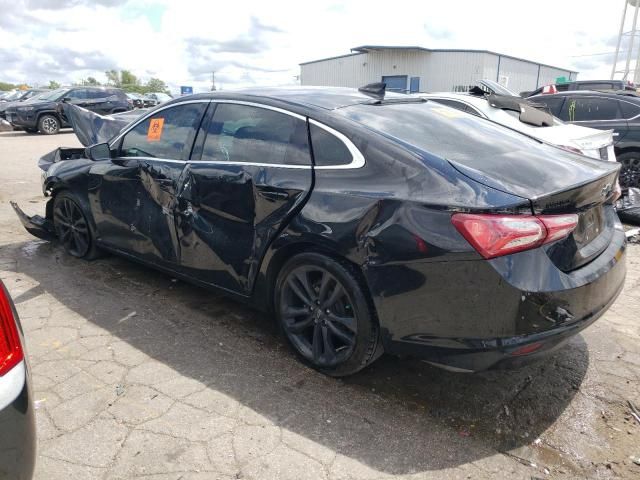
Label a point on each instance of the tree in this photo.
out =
(4, 86)
(156, 85)
(53, 85)
(113, 78)
(91, 81)
(128, 78)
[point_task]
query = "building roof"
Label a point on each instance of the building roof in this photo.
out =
(369, 48)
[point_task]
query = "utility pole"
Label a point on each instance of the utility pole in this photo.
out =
(213, 81)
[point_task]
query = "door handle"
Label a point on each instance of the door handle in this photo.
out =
(273, 194)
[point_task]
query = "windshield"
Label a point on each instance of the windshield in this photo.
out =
(14, 96)
(163, 97)
(53, 96)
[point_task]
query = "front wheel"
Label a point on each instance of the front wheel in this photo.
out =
(72, 227)
(323, 310)
(49, 125)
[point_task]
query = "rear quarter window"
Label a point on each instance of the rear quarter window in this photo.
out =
(328, 150)
(629, 110)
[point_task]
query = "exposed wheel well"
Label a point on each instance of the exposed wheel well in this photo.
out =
(53, 114)
(620, 151)
(285, 253)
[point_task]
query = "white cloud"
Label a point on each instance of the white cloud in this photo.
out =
(256, 42)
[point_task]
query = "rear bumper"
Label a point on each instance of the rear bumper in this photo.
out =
(475, 315)
(18, 432)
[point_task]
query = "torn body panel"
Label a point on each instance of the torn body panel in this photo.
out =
(92, 128)
(36, 225)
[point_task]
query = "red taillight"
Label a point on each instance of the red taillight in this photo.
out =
(11, 352)
(496, 235)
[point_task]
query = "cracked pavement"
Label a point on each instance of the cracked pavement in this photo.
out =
(137, 375)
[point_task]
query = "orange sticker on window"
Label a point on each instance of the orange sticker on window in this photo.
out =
(155, 129)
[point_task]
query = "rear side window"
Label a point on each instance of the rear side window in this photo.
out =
(328, 150)
(554, 104)
(629, 110)
(247, 134)
(578, 109)
(168, 134)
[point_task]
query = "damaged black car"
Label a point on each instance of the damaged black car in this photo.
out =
(366, 222)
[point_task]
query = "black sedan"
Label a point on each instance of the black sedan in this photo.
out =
(17, 419)
(366, 222)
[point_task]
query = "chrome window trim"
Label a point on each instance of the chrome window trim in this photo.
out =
(261, 105)
(357, 159)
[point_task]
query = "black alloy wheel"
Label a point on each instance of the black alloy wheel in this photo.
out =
(630, 169)
(72, 227)
(325, 315)
(49, 125)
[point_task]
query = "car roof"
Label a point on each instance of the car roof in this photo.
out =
(593, 93)
(329, 98)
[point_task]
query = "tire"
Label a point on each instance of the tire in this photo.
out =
(48, 124)
(630, 171)
(324, 312)
(73, 227)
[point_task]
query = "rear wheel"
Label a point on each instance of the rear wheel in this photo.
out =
(49, 125)
(630, 171)
(325, 314)
(72, 227)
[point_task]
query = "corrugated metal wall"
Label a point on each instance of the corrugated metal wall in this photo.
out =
(438, 71)
(358, 70)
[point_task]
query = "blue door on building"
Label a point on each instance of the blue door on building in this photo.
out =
(414, 85)
(396, 83)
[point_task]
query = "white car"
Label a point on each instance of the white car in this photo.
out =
(516, 113)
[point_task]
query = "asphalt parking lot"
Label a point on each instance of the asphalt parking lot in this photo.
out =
(137, 375)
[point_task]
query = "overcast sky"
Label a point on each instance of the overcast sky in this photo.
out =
(251, 42)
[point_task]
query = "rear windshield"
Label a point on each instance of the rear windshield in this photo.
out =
(439, 130)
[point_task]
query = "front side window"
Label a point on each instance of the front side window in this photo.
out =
(580, 109)
(595, 86)
(247, 134)
(77, 94)
(168, 134)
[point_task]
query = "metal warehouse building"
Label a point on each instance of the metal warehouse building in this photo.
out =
(417, 69)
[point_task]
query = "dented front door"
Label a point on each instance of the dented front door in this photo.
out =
(134, 201)
(253, 175)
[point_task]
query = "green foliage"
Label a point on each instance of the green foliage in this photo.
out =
(4, 86)
(91, 81)
(130, 83)
(53, 85)
(156, 85)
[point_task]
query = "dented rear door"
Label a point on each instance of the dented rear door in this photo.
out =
(254, 172)
(134, 195)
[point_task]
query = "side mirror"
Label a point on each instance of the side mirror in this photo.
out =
(66, 99)
(99, 151)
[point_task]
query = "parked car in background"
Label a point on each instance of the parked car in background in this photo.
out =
(5, 94)
(366, 222)
(28, 94)
(137, 100)
(619, 112)
(517, 113)
(156, 98)
(17, 417)
(620, 85)
(45, 115)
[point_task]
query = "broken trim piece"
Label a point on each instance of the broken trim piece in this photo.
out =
(36, 225)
